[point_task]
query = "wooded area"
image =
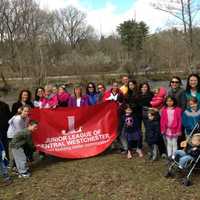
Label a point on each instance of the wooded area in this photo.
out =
(39, 43)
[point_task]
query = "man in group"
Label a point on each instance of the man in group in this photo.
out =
(124, 87)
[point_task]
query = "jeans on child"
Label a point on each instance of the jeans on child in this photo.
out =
(184, 158)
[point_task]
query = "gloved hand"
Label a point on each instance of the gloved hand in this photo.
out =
(3, 155)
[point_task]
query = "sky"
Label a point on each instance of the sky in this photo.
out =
(106, 15)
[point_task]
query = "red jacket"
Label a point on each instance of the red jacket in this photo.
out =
(158, 99)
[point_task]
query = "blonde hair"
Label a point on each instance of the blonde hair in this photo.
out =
(48, 88)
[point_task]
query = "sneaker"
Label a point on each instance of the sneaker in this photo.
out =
(7, 181)
(164, 156)
(24, 175)
(180, 167)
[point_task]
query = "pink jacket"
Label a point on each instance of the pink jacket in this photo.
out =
(158, 99)
(49, 102)
(176, 125)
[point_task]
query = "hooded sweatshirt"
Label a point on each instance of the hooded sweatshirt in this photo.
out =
(16, 124)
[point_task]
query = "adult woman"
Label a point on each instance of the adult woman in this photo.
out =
(50, 99)
(114, 93)
(193, 87)
(101, 89)
(145, 96)
(91, 93)
(24, 99)
(131, 97)
(78, 99)
(39, 95)
(63, 96)
(177, 91)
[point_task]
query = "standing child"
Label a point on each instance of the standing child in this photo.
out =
(191, 116)
(3, 165)
(21, 138)
(130, 133)
(170, 123)
(154, 137)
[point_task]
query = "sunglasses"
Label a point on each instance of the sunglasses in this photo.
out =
(90, 87)
(174, 81)
(99, 88)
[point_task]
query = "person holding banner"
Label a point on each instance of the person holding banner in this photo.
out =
(39, 95)
(50, 99)
(101, 93)
(21, 138)
(114, 94)
(16, 124)
(78, 100)
(63, 96)
(91, 93)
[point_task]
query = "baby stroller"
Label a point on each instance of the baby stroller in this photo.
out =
(190, 165)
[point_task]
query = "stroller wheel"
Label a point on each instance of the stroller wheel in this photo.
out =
(169, 174)
(186, 182)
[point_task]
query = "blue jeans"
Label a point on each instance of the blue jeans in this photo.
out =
(3, 169)
(184, 158)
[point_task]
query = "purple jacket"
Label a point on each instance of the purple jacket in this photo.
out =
(73, 102)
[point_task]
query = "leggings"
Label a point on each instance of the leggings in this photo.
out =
(171, 146)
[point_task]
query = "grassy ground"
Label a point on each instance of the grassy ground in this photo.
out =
(106, 177)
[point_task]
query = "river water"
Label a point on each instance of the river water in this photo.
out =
(10, 98)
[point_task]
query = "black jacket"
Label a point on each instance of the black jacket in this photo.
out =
(17, 105)
(153, 133)
(4, 117)
(194, 153)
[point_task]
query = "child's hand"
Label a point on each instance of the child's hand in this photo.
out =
(183, 144)
(3, 154)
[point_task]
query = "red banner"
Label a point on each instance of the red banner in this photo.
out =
(76, 132)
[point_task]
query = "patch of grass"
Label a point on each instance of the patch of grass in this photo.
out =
(106, 177)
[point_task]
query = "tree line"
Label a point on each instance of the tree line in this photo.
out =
(35, 42)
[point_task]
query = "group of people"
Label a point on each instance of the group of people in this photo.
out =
(162, 118)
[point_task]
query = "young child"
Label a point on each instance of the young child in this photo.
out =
(170, 123)
(21, 138)
(191, 115)
(191, 152)
(158, 98)
(3, 165)
(130, 133)
(153, 134)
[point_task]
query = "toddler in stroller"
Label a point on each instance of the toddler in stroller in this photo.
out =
(188, 158)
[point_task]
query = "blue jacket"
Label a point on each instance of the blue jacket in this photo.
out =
(92, 98)
(189, 120)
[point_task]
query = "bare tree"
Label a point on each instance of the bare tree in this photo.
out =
(184, 11)
(74, 27)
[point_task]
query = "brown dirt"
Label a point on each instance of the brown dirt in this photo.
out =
(106, 177)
